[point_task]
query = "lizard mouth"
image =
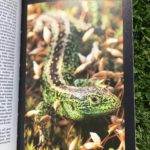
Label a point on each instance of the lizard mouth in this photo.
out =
(96, 115)
(101, 112)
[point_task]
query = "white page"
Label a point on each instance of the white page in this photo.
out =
(10, 21)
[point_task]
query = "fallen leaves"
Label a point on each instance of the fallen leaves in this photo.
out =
(108, 74)
(89, 59)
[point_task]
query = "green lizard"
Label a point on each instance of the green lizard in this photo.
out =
(76, 103)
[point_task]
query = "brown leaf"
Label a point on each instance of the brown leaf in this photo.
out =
(101, 64)
(103, 74)
(45, 119)
(121, 137)
(117, 75)
(36, 51)
(110, 32)
(81, 68)
(112, 128)
(64, 122)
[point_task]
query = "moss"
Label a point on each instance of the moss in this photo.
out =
(141, 25)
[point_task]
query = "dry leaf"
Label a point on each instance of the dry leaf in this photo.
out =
(56, 104)
(32, 17)
(82, 58)
(73, 144)
(112, 128)
(45, 119)
(110, 41)
(81, 68)
(95, 51)
(31, 34)
(95, 137)
(90, 145)
(64, 122)
(37, 68)
(95, 144)
(41, 139)
(47, 35)
(36, 51)
(116, 120)
(87, 34)
(103, 74)
(31, 113)
(119, 61)
(38, 27)
(121, 137)
(110, 32)
(101, 64)
(115, 52)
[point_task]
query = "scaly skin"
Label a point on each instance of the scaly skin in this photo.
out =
(76, 103)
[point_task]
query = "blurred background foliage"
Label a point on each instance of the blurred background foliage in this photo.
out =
(141, 26)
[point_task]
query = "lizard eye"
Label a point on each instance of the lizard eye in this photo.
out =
(94, 100)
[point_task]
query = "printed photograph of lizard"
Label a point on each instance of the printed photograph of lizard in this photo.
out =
(74, 75)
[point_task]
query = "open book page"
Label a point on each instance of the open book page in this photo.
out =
(10, 19)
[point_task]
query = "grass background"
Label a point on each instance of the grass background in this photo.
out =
(141, 26)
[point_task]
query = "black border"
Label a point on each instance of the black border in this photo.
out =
(128, 74)
(21, 110)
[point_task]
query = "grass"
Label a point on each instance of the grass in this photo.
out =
(141, 26)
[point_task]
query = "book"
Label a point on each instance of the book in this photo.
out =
(66, 75)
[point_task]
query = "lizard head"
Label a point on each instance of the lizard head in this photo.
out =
(91, 102)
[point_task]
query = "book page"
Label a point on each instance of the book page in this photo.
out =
(77, 91)
(10, 18)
